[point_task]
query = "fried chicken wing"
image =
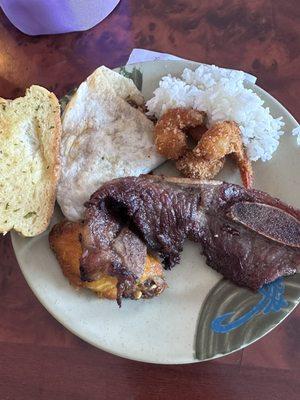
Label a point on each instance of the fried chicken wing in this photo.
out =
(64, 240)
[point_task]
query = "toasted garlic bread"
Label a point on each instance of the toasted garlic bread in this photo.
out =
(30, 131)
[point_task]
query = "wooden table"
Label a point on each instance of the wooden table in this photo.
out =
(39, 358)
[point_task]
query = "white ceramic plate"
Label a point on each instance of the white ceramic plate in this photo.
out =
(185, 323)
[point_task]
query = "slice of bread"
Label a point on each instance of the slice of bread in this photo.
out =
(30, 132)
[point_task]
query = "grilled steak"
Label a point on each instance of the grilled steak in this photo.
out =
(246, 235)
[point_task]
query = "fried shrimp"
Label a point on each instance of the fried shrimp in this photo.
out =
(222, 139)
(170, 138)
(194, 167)
(208, 157)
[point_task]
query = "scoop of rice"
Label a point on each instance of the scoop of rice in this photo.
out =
(222, 95)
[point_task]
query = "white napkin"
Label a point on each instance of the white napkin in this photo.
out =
(141, 55)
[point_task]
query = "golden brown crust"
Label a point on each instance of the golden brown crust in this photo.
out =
(170, 138)
(64, 240)
(221, 139)
(207, 158)
(194, 167)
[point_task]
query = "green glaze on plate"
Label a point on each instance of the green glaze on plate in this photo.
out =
(135, 75)
(232, 317)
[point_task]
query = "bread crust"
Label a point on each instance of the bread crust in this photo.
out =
(57, 164)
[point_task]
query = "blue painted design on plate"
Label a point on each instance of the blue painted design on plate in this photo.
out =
(272, 301)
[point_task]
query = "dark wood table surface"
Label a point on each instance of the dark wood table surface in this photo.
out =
(39, 358)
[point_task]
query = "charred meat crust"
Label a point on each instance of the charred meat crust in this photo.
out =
(163, 212)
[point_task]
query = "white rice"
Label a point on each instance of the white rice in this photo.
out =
(222, 95)
(296, 132)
